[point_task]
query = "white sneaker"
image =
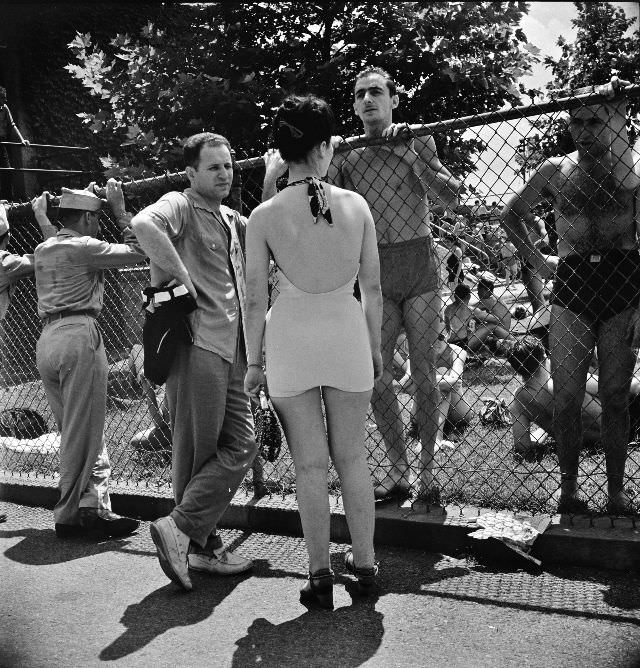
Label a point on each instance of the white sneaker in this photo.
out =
(219, 562)
(173, 547)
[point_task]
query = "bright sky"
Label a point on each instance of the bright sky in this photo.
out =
(542, 26)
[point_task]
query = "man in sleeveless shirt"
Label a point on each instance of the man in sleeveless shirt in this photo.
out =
(71, 357)
(597, 284)
(397, 180)
(193, 238)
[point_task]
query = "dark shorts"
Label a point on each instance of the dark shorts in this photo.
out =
(599, 285)
(408, 269)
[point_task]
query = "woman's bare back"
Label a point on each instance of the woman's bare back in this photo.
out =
(314, 255)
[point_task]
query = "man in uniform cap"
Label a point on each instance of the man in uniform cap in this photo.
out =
(71, 357)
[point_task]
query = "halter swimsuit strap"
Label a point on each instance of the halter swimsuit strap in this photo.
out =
(317, 198)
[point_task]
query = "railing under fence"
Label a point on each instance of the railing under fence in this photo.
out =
(479, 455)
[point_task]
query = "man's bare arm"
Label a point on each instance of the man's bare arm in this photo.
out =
(158, 247)
(275, 167)
(521, 426)
(517, 218)
(625, 159)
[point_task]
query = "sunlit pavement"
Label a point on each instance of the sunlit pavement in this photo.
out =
(82, 603)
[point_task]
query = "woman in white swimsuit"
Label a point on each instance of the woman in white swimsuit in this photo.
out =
(321, 345)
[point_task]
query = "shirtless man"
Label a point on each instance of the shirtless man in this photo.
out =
(395, 179)
(597, 286)
(532, 402)
(492, 316)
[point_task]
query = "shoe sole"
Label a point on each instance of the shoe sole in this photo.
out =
(223, 573)
(165, 562)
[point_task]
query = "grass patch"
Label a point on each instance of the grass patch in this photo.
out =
(479, 471)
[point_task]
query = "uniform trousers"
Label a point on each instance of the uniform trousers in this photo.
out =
(213, 438)
(72, 363)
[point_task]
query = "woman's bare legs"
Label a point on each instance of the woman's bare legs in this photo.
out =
(303, 424)
(346, 414)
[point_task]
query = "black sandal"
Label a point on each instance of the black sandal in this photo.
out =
(318, 590)
(366, 584)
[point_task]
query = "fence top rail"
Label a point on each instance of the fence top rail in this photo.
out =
(350, 143)
(54, 146)
(464, 122)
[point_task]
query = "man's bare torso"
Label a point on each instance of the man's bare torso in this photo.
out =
(392, 189)
(592, 212)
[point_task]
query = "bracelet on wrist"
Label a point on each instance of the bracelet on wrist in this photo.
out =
(255, 364)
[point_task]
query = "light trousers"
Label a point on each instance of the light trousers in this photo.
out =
(213, 438)
(73, 366)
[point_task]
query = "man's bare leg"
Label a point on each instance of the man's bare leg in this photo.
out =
(571, 343)
(423, 323)
(616, 361)
(386, 408)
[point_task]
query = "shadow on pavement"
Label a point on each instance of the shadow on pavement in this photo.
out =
(35, 548)
(170, 607)
(347, 637)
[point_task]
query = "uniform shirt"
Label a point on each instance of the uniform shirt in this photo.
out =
(202, 239)
(12, 267)
(69, 271)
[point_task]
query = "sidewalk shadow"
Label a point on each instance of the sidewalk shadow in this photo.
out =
(40, 547)
(347, 637)
(170, 607)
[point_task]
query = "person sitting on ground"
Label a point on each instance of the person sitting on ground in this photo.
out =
(453, 411)
(459, 317)
(533, 402)
(493, 316)
(158, 437)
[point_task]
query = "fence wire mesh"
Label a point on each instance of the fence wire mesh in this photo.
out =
(492, 408)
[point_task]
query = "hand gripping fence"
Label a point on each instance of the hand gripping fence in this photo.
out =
(501, 434)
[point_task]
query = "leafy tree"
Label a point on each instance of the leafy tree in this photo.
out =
(600, 50)
(227, 66)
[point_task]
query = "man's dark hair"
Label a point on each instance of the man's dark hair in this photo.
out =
(3, 94)
(391, 84)
(300, 124)
(193, 146)
(526, 355)
(462, 291)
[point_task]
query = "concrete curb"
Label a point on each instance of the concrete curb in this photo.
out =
(600, 542)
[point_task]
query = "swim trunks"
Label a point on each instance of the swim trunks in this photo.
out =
(598, 285)
(408, 269)
(316, 340)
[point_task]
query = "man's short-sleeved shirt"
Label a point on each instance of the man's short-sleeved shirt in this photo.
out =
(12, 267)
(69, 271)
(202, 238)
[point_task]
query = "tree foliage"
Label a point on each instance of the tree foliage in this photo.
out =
(227, 65)
(599, 51)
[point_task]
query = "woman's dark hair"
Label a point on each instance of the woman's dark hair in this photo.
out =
(300, 124)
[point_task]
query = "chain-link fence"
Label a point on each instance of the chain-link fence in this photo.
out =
(487, 434)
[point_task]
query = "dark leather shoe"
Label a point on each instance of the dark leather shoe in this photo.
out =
(69, 530)
(318, 591)
(107, 522)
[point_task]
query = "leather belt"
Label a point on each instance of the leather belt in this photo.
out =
(164, 294)
(52, 317)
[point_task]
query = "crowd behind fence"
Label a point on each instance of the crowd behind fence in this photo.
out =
(475, 463)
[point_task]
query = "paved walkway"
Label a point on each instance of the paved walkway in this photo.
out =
(77, 604)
